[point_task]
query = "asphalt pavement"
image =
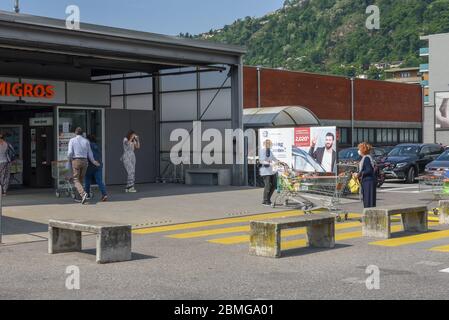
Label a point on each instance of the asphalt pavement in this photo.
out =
(209, 260)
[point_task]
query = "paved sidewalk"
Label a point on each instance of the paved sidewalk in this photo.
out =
(26, 212)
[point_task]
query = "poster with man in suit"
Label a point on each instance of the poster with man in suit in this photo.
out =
(320, 144)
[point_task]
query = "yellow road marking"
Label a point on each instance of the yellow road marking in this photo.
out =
(338, 237)
(206, 233)
(423, 237)
(284, 233)
(208, 223)
(213, 232)
(444, 248)
(303, 242)
(192, 225)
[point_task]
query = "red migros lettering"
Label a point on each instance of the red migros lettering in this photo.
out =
(26, 90)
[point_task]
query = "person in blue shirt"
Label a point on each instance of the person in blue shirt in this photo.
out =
(95, 173)
(367, 175)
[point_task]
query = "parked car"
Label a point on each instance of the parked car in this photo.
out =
(387, 149)
(407, 161)
(351, 156)
(439, 165)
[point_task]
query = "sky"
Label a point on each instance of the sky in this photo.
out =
(158, 16)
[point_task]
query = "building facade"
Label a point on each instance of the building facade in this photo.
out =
(404, 75)
(436, 87)
(381, 112)
(108, 81)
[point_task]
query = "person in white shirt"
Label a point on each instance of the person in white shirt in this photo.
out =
(325, 156)
(267, 161)
(79, 153)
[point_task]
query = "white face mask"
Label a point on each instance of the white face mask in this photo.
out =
(360, 153)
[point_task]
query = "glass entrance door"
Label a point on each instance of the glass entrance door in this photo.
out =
(68, 119)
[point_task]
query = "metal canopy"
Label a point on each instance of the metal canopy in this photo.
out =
(107, 46)
(279, 117)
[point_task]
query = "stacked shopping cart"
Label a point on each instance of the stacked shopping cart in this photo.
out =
(311, 191)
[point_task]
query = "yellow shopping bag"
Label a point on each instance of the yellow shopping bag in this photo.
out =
(354, 185)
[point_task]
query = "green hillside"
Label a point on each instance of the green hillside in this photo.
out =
(330, 36)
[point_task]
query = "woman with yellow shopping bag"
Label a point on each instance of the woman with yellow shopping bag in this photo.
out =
(367, 175)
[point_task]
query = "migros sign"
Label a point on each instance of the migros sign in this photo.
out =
(16, 89)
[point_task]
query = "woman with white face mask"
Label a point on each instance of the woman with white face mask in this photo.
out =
(367, 175)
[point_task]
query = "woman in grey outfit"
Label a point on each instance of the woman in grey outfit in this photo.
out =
(130, 144)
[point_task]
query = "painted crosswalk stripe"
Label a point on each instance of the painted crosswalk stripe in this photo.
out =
(284, 234)
(338, 237)
(207, 233)
(208, 223)
(213, 232)
(444, 248)
(445, 270)
(423, 237)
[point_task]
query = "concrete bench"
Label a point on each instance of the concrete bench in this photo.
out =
(444, 211)
(376, 222)
(265, 236)
(113, 240)
(221, 177)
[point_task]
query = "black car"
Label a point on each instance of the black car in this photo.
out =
(407, 161)
(352, 155)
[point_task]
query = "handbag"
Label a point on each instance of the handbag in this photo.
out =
(354, 185)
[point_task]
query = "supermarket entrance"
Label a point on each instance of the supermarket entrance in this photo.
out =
(40, 136)
(30, 131)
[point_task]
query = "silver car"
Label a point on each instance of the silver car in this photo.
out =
(439, 165)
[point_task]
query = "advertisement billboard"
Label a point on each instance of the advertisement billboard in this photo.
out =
(306, 149)
(441, 110)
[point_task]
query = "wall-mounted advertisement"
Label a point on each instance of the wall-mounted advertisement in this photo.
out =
(442, 110)
(308, 149)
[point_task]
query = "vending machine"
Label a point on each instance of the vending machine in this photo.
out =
(42, 152)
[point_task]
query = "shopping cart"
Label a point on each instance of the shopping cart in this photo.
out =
(312, 191)
(437, 184)
(62, 173)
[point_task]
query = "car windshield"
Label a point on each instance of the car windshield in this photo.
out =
(444, 156)
(404, 151)
(349, 154)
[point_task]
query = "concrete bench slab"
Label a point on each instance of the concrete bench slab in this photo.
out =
(265, 236)
(113, 240)
(444, 211)
(376, 222)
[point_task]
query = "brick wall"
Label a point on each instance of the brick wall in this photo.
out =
(329, 97)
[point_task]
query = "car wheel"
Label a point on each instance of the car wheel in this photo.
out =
(411, 175)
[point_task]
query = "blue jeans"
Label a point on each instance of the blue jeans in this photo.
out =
(96, 174)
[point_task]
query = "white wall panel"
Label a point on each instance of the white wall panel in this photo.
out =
(139, 102)
(178, 106)
(139, 85)
(94, 94)
(214, 79)
(117, 102)
(116, 87)
(220, 107)
(178, 82)
(167, 129)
